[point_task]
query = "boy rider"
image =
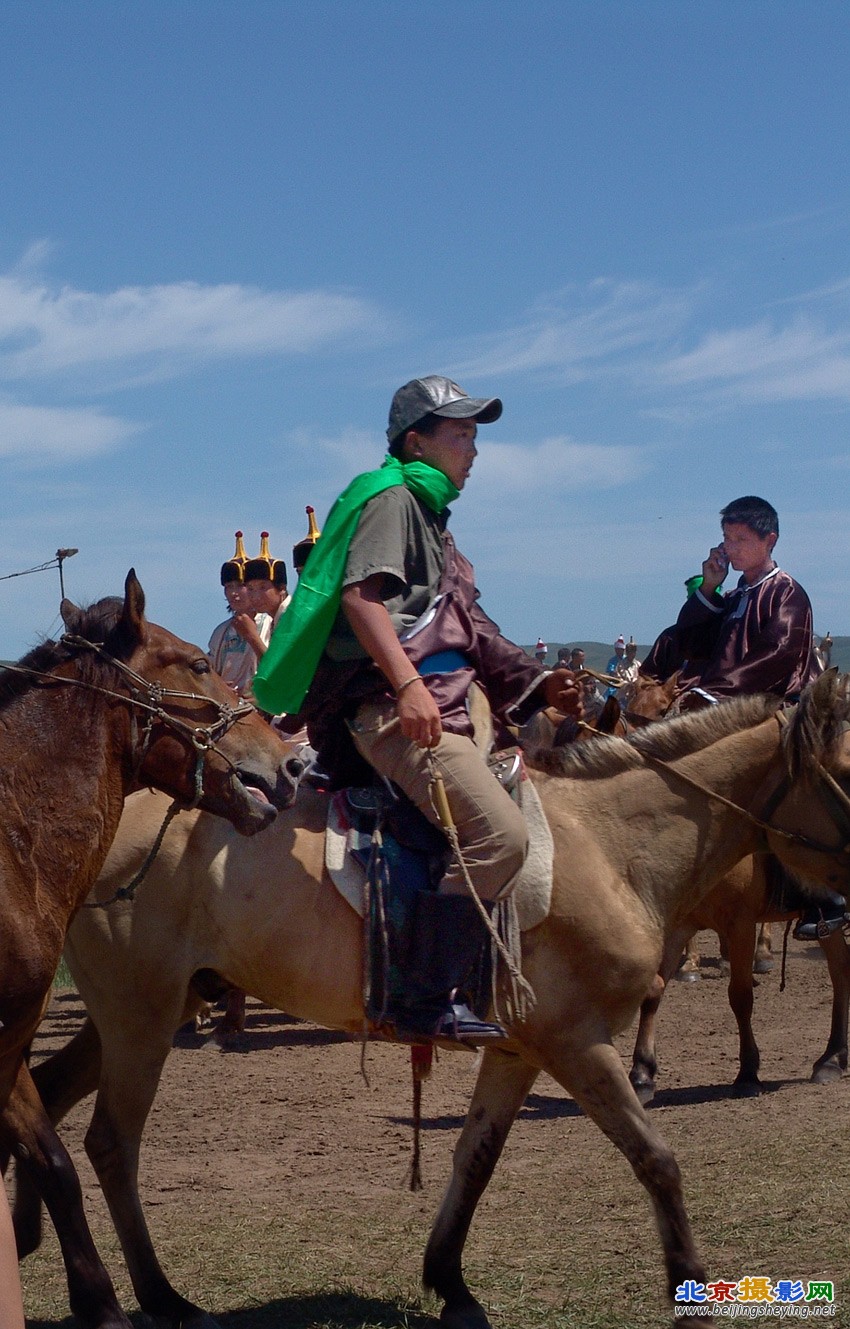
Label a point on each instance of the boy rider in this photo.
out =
(401, 640)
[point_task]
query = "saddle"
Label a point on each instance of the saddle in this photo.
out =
(399, 859)
(353, 814)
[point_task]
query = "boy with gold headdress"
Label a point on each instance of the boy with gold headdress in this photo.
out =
(268, 598)
(230, 653)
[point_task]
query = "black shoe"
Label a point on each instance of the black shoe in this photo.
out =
(456, 1024)
(820, 922)
(446, 944)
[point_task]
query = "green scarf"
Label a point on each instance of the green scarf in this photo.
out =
(286, 670)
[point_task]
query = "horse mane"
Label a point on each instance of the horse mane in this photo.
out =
(820, 719)
(95, 623)
(666, 739)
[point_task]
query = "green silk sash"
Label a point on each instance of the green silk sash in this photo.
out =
(286, 670)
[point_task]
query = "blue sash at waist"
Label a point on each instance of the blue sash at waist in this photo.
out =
(444, 662)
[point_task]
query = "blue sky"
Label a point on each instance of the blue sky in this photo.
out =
(228, 232)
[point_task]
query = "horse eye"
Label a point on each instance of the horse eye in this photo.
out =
(201, 666)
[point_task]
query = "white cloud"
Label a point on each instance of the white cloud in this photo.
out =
(632, 332)
(351, 451)
(42, 435)
(762, 362)
(585, 331)
(550, 467)
(44, 331)
(555, 466)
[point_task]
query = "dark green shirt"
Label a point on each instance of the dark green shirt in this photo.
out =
(403, 539)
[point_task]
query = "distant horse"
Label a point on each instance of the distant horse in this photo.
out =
(642, 830)
(823, 651)
(645, 700)
(116, 705)
(732, 910)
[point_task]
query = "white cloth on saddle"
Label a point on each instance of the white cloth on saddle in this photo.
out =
(531, 894)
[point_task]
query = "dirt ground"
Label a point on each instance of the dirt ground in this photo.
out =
(273, 1174)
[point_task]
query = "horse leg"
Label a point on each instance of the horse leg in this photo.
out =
(503, 1084)
(232, 1023)
(62, 1080)
(763, 963)
(688, 970)
(725, 965)
(830, 1066)
(740, 939)
(38, 1151)
(644, 1060)
(597, 1080)
(128, 1083)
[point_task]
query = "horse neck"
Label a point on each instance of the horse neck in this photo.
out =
(670, 842)
(63, 757)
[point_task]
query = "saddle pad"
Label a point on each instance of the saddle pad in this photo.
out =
(533, 890)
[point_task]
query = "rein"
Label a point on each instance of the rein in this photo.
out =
(793, 837)
(202, 738)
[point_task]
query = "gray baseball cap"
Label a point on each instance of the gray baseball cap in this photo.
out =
(435, 395)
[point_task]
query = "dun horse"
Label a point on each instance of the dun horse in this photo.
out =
(117, 705)
(642, 830)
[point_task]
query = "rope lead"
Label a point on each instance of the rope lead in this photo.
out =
(522, 999)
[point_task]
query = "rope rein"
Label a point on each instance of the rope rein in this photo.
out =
(794, 837)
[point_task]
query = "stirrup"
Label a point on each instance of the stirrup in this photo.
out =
(818, 929)
(456, 1024)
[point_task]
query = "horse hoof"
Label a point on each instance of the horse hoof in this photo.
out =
(466, 1314)
(468, 1318)
(644, 1092)
(747, 1088)
(763, 964)
(684, 975)
(828, 1073)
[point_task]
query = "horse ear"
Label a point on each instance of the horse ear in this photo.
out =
(130, 630)
(72, 616)
(825, 687)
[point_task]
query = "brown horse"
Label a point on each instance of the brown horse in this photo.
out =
(733, 909)
(642, 830)
(645, 700)
(118, 704)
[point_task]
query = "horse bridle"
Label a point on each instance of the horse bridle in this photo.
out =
(203, 738)
(147, 696)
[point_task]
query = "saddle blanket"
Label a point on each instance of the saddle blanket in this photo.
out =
(531, 894)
